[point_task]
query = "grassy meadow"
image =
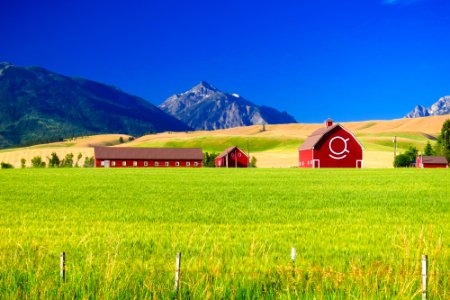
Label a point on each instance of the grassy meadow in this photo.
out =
(359, 234)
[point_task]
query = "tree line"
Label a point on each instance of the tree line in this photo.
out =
(440, 148)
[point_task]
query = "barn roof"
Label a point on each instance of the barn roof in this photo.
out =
(148, 153)
(434, 160)
(227, 151)
(315, 137)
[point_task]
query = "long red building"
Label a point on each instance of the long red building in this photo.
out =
(119, 157)
(232, 157)
(331, 147)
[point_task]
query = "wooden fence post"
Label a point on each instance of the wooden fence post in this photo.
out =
(424, 276)
(177, 272)
(293, 255)
(62, 266)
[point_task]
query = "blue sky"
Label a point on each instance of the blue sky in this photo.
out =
(349, 60)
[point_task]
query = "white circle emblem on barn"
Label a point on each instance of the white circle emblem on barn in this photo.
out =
(338, 155)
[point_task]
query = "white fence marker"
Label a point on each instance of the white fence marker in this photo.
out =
(177, 271)
(424, 276)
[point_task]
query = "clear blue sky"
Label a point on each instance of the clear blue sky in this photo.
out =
(348, 59)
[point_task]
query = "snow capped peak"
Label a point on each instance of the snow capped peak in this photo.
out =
(235, 95)
(441, 107)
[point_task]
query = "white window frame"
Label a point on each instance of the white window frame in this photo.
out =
(156, 164)
(177, 164)
(195, 163)
(166, 164)
(135, 163)
(113, 163)
(145, 163)
(188, 164)
(124, 163)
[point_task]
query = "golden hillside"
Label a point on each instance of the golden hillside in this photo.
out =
(274, 147)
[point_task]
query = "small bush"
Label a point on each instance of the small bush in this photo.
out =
(6, 165)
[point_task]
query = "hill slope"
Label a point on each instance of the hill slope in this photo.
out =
(38, 106)
(275, 147)
(205, 107)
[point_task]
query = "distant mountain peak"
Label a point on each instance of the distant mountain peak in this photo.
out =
(441, 107)
(203, 88)
(206, 107)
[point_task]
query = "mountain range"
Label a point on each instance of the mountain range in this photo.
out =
(441, 107)
(204, 107)
(39, 106)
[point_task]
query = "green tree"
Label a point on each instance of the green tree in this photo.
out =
(405, 159)
(428, 150)
(4, 165)
(53, 161)
(443, 141)
(67, 162)
(88, 162)
(252, 163)
(209, 160)
(402, 161)
(77, 164)
(121, 141)
(36, 162)
(22, 163)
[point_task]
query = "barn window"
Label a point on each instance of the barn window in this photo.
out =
(188, 164)
(134, 163)
(232, 154)
(167, 164)
(196, 164)
(156, 164)
(124, 164)
(113, 163)
(145, 163)
(177, 164)
(102, 163)
(239, 154)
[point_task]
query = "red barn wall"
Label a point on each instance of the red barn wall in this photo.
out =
(235, 157)
(348, 153)
(305, 158)
(434, 166)
(151, 163)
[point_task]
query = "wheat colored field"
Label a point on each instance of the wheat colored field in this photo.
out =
(274, 148)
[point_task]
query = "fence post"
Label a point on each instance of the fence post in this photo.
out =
(62, 266)
(293, 255)
(177, 271)
(424, 276)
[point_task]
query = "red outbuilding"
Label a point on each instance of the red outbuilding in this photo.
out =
(331, 147)
(115, 157)
(431, 162)
(232, 157)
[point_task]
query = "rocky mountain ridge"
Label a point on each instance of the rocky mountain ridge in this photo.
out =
(440, 107)
(204, 107)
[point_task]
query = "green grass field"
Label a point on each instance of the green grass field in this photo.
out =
(359, 234)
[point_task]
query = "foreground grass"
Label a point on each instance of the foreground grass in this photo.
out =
(358, 233)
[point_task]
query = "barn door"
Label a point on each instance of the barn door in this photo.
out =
(359, 164)
(316, 163)
(106, 164)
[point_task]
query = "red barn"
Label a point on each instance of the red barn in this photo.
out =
(431, 162)
(115, 157)
(331, 147)
(232, 157)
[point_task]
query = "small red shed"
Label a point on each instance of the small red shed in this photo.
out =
(232, 157)
(431, 162)
(114, 157)
(331, 147)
